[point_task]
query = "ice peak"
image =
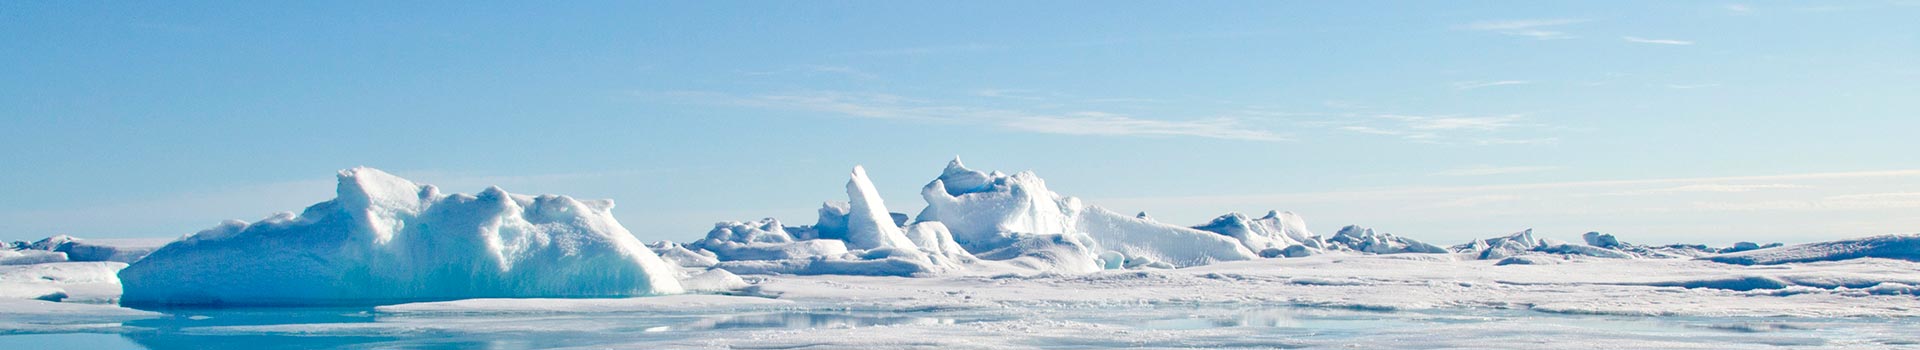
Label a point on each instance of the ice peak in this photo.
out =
(869, 224)
(364, 187)
(860, 173)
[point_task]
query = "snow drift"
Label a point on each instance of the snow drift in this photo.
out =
(1899, 247)
(387, 239)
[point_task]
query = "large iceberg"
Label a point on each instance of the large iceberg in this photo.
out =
(974, 221)
(386, 239)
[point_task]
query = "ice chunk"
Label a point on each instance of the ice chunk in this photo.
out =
(30, 256)
(1900, 247)
(833, 220)
(1277, 232)
(1523, 242)
(1583, 250)
(1361, 239)
(387, 239)
(766, 230)
(120, 250)
(1601, 240)
(1501, 247)
(987, 216)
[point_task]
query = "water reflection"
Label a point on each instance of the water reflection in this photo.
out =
(790, 320)
(361, 328)
(1169, 326)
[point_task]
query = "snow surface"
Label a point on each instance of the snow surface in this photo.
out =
(69, 281)
(30, 256)
(1399, 301)
(388, 239)
(1637, 287)
(1903, 247)
(124, 250)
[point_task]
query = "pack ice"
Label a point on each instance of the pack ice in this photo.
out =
(385, 239)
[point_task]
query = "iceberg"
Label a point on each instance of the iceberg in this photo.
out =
(858, 237)
(1501, 247)
(994, 211)
(1364, 240)
(1279, 234)
(387, 239)
(1516, 248)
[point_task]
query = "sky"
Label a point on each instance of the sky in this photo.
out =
(1656, 121)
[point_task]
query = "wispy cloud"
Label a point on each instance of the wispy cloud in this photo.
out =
(1542, 29)
(895, 107)
(1016, 94)
(811, 70)
(1475, 84)
(1712, 188)
(1692, 86)
(1739, 8)
(1506, 141)
(1442, 129)
(1455, 122)
(922, 50)
(1485, 170)
(1635, 39)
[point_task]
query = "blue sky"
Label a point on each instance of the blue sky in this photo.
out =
(1657, 121)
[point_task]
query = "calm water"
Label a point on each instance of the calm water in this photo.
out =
(361, 328)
